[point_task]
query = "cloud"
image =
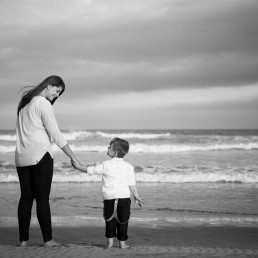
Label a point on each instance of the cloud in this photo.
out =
(145, 51)
(158, 99)
(169, 43)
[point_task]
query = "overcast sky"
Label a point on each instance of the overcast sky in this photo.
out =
(134, 64)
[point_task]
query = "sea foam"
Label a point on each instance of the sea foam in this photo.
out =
(71, 176)
(152, 148)
(7, 137)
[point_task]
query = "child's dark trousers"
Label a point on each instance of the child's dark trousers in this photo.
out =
(113, 227)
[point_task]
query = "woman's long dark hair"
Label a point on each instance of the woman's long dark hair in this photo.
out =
(27, 96)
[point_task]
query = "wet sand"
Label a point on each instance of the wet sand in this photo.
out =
(88, 241)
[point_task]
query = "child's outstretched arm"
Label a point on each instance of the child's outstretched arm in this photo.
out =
(91, 169)
(137, 199)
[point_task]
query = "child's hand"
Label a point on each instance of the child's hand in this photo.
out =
(139, 201)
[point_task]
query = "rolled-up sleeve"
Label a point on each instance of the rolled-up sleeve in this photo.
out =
(49, 121)
(96, 170)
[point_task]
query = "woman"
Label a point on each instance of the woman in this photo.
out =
(36, 126)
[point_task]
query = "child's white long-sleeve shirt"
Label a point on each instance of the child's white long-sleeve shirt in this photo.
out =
(36, 126)
(117, 176)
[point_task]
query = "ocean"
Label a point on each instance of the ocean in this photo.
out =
(191, 177)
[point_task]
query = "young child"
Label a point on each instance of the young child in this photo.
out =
(118, 181)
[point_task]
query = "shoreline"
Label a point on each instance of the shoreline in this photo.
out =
(181, 241)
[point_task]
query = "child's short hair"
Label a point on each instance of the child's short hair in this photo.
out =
(120, 146)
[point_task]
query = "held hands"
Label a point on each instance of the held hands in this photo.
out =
(76, 164)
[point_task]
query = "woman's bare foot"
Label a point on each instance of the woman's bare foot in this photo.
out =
(51, 243)
(22, 243)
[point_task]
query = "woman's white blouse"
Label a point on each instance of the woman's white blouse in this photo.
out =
(36, 126)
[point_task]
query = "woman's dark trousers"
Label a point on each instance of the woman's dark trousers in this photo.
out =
(35, 183)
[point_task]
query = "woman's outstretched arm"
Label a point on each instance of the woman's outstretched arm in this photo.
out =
(67, 150)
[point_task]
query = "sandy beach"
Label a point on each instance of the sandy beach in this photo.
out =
(198, 241)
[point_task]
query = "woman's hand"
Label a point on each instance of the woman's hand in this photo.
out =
(75, 161)
(78, 166)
